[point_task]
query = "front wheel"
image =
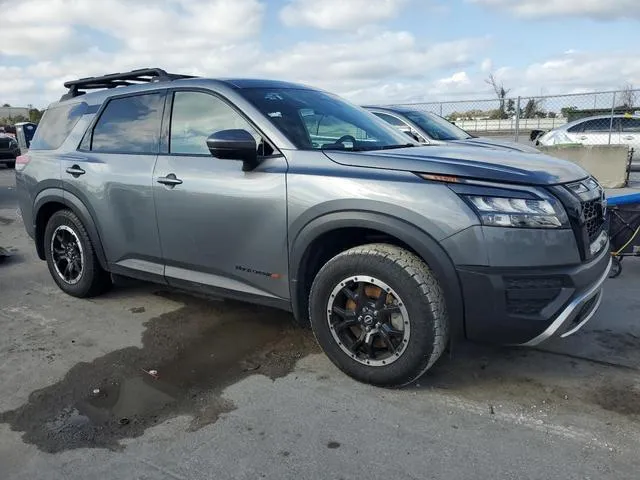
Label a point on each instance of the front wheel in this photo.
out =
(379, 314)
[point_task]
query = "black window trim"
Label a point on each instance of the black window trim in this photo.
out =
(165, 132)
(103, 107)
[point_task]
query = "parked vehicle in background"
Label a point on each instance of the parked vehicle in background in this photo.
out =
(9, 150)
(618, 129)
(431, 129)
(281, 194)
(24, 134)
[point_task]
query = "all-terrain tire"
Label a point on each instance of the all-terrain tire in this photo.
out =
(423, 299)
(93, 279)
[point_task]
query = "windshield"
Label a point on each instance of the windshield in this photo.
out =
(436, 127)
(312, 120)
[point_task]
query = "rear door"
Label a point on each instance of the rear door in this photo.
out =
(111, 173)
(221, 229)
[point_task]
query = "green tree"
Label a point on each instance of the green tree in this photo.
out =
(511, 108)
(567, 111)
(35, 115)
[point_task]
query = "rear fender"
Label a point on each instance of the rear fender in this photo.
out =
(74, 204)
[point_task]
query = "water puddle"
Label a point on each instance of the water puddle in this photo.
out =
(188, 357)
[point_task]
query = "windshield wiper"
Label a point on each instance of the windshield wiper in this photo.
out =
(391, 147)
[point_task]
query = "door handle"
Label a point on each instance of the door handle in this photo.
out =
(629, 137)
(170, 180)
(583, 137)
(75, 170)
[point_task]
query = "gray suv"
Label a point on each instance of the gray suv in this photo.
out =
(285, 195)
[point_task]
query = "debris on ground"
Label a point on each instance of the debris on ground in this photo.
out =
(4, 254)
(152, 373)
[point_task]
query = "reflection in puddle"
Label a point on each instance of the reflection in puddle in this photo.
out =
(197, 351)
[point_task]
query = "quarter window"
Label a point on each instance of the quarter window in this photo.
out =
(196, 116)
(130, 125)
(56, 125)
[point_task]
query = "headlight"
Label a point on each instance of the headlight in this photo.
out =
(518, 212)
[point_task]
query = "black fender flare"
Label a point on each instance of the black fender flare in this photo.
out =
(74, 204)
(421, 242)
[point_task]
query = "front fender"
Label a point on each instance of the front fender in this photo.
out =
(421, 242)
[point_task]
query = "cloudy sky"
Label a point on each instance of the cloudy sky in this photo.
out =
(367, 50)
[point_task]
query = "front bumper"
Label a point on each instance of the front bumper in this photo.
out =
(525, 306)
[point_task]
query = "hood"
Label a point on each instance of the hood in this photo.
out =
(468, 162)
(497, 144)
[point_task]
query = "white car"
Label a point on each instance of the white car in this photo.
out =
(621, 129)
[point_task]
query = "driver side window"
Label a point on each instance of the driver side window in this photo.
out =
(195, 116)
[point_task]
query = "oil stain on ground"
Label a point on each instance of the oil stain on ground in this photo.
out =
(197, 351)
(621, 398)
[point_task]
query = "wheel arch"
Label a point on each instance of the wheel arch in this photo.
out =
(52, 200)
(306, 243)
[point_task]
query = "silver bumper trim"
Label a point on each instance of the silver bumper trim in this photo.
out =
(571, 310)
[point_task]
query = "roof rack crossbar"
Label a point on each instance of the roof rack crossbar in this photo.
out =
(123, 79)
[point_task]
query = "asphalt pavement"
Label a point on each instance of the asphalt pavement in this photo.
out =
(149, 383)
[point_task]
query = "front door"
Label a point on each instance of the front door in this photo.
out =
(221, 229)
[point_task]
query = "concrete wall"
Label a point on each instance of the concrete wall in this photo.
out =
(607, 163)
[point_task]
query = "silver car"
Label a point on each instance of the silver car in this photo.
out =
(431, 129)
(281, 194)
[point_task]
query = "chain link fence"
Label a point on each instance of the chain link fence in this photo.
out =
(598, 118)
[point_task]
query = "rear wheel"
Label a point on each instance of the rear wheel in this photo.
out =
(379, 314)
(71, 256)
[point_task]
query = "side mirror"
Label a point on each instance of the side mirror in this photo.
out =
(234, 144)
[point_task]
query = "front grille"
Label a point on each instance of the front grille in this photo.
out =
(529, 295)
(585, 205)
(593, 218)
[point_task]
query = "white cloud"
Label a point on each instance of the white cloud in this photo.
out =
(370, 64)
(338, 14)
(486, 65)
(143, 26)
(596, 9)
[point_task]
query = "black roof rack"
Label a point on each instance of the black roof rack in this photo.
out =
(134, 77)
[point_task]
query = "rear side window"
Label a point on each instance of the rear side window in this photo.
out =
(129, 125)
(56, 125)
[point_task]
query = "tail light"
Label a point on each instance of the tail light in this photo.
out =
(22, 161)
